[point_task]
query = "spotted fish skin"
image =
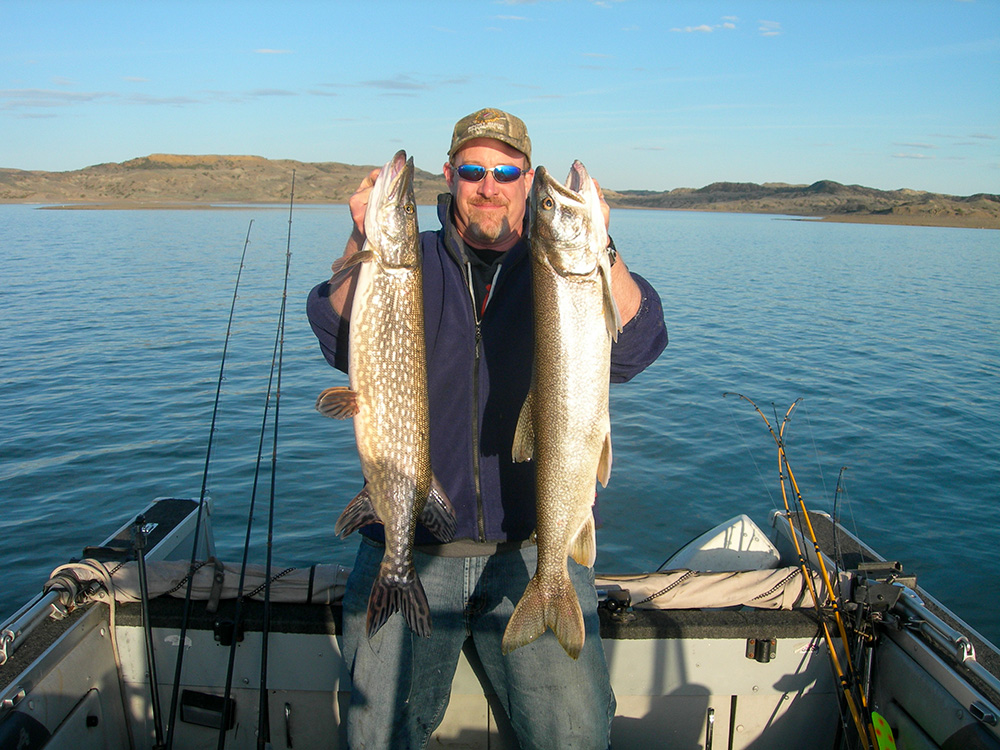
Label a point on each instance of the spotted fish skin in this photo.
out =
(564, 425)
(387, 398)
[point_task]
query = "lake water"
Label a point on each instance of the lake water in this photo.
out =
(114, 323)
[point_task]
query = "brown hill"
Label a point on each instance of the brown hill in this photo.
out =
(829, 200)
(177, 179)
(170, 180)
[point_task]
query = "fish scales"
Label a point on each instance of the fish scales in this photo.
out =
(565, 426)
(388, 398)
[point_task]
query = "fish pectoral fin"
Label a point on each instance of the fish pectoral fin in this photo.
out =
(339, 402)
(556, 607)
(438, 515)
(359, 512)
(583, 548)
(343, 266)
(523, 448)
(612, 317)
(604, 463)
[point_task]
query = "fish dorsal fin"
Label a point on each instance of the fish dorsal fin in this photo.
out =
(524, 436)
(583, 548)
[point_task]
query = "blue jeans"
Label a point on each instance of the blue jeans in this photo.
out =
(402, 682)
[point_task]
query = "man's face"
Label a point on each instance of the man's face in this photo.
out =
(489, 214)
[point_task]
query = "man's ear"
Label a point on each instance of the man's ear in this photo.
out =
(449, 174)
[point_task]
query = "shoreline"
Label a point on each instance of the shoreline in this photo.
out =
(949, 222)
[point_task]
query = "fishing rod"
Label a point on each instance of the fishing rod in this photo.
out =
(175, 690)
(139, 543)
(848, 680)
(264, 721)
(238, 615)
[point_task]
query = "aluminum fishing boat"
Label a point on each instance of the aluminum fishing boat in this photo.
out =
(723, 648)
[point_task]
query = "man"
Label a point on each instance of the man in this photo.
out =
(479, 334)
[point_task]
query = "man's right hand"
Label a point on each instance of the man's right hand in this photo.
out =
(342, 294)
(359, 207)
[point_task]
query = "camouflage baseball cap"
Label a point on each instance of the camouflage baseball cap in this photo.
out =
(491, 123)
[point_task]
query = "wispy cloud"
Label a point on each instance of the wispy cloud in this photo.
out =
(135, 79)
(769, 28)
(911, 156)
(401, 82)
(917, 145)
(271, 92)
(175, 101)
(267, 51)
(32, 98)
(35, 102)
(728, 22)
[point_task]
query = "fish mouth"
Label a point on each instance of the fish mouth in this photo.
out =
(400, 177)
(578, 183)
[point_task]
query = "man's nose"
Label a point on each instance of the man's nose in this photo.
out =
(488, 186)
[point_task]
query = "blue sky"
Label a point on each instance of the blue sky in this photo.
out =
(649, 95)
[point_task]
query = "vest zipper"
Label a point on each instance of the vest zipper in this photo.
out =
(480, 514)
(475, 436)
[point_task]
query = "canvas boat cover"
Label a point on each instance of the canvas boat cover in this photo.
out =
(778, 588)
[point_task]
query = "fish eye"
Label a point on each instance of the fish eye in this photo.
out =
(548, 203)
(409, 208)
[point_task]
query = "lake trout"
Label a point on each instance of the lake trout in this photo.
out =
(564, 425)
(387, 398)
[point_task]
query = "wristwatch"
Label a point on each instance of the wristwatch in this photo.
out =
(612, 250)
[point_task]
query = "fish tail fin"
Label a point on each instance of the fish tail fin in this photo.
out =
(537, 611)
(359, 512)
(394, 593)
(438, 515)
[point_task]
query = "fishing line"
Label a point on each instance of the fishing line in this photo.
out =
(171, 723)
(746, 444)
(238, 615)
(848, 680)
(819, 464)
(264, 723)
(837, 553)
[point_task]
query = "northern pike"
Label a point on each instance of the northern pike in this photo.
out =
(564, 425)
(387, 398)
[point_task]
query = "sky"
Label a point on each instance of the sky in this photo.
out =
(650, 95)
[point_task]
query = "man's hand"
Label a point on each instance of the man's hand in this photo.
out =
(358, 204)
(342, 294)
(626, 292)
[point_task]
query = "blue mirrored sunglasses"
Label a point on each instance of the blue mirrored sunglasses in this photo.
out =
(502, 173)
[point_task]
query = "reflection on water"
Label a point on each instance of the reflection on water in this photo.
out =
(114, 324)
